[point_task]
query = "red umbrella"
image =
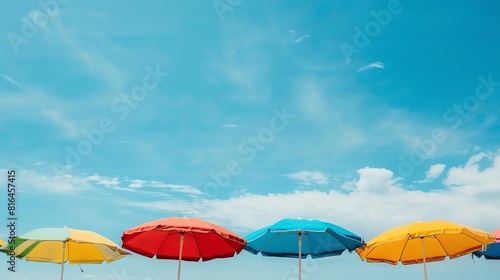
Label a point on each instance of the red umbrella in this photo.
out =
(188, 239)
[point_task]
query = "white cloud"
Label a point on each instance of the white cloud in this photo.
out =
(301, 39)
(117, 188)
(137, 183)
(101, 180)
(297, 40)
(229, 125)
(123, 211)
(109, 182)
(32, 181)
(309, 178)
(377, 64)
(434, 171)
(470, 176)
(38, 163)
(376, 180)
(375, 203)
(175, 188)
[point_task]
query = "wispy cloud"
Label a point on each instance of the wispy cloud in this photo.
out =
(89, 56)
(117, 188)
(377, 64)
(71, 184)
(65, 124)
(229, 125)
(298, 40)
(175, 188)
(309, 178)
(244, 64)
(184, 189)
(434, 171)
(31, 181)
(12, 81)
(44, 108)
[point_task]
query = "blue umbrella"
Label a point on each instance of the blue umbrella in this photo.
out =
(492, 251)
(299, 238)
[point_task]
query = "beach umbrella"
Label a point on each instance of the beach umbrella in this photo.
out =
(2, 243)
(188, 239)
(424, 242)
(492, 250)
(299, 238)
(59, 245)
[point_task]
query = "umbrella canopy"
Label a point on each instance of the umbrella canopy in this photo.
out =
(492, 251)
(423, 242)
(188, 239)
(299, 238)
(59, 245)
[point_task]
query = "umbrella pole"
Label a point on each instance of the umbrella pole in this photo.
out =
(62, 261)
(180, 257)
(425, 261)
(300, 255)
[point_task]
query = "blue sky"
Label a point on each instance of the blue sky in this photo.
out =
(368, 115)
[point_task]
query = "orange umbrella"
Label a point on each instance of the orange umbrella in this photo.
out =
(423, 242)
(188, 239)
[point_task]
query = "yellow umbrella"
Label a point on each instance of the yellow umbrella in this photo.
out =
(59, 245)
(2, 242)
(423, 242)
